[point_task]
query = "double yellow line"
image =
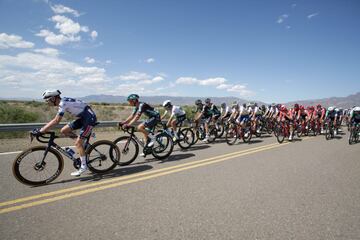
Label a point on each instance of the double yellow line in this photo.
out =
(35, 200)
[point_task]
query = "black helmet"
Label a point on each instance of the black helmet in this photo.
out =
(198, 102)
(208, 100)
(133, 97)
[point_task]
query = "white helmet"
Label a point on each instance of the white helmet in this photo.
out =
(167, 103)
(51, 93)
(331, 108)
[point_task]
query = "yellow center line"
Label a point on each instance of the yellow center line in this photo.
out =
(19, 200)
(155, 175)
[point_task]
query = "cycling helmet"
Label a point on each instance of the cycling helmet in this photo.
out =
(301, 107)
(283, 108)
(198, 102)
(167, 104)
(223, 105)
(133, 97)
(208, 100)
(296, 106)
(331, 108)
(311, 108)
(318, 106)
(51, 93)
(263, 107)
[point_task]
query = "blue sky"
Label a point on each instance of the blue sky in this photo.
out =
(273, 51)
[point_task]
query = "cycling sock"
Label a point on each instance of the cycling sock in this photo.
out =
(83, 161)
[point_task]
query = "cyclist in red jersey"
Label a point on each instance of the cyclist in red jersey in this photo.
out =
(286, 115)
(310, 113)
(320, 115)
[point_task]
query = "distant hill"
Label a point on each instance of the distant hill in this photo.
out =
(161, 99)
(343, 102)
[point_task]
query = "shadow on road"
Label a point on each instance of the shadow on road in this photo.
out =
(255, 141)
(118, 172)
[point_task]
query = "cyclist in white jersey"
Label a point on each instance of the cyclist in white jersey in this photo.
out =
(85, 120)
(225, 111)
(176, 112)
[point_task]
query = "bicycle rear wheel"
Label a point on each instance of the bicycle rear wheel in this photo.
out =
(163, 146)
(30, 169)
(102, 156)
(129, 149)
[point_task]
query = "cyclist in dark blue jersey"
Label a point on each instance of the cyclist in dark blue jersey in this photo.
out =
(139, 109)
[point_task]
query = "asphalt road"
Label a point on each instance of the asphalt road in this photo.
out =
(308, 189)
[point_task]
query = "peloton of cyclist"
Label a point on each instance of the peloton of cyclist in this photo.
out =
(177, 116)
(205, 114)
(85, 120)
(147, 126)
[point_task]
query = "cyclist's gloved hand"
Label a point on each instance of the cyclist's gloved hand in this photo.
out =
(36, 132)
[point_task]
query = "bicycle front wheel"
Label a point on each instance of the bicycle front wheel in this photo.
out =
(102, 156)
(129, 149)
(163, 146)
(231, 136)
(31, 168)
(186, 136)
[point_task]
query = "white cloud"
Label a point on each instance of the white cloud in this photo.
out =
(93, 35)
(68, 31)
(312, 15)
(13, 41)
(241, 89)
(282, 18)
(60, 9)
(134, 76)
(67, 26)
(38, 71)
(89, 60)
(205, 82)
(223, 86)
(108, 61)
(60, 39)
(186, 80)
(150, 60)
(48, 51)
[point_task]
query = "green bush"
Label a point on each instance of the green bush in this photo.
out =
(13, 114)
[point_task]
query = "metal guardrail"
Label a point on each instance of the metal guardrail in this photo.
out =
(30, 126)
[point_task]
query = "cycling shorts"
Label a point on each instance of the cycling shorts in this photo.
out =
(151, 122)
(244, 118)
(180, 119)
(86, 122)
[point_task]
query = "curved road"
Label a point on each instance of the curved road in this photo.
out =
(307, 189)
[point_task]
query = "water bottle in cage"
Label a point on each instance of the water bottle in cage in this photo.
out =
(70, 151)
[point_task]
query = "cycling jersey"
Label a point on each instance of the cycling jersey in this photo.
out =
(215, 110)
(355, 114)
(206, 111)
(86, 118)
(73, 106)
(146, 109)
(243, 111)
(227, 110)
(176, 111)
(331, 114)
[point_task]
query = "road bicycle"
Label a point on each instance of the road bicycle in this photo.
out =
(40, 165)
(283, 131)
(329, 129)
(185, 135)
(235, 132)
(129, 145)
(354, 133)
